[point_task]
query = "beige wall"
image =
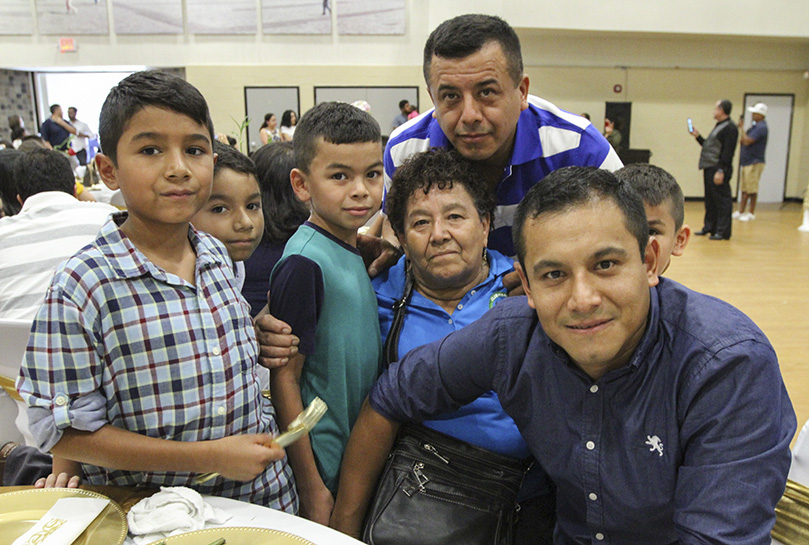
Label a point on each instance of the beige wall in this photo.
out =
(661, 99)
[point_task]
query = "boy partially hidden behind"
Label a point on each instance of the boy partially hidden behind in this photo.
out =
(142, 360)
(320, 287)
(664, 202)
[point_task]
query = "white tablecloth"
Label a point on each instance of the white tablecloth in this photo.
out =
(248, 514)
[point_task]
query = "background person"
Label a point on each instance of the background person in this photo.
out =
(51, 226)
(79, 143)
(751, 159)
(283, 214)
(56, 131)
(268, 132)
(716, 164)
(404, 111)
(288, 122)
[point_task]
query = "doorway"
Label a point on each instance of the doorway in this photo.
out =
(779, 130)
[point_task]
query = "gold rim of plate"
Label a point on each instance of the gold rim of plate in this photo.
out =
(241, 535)
(109, 528)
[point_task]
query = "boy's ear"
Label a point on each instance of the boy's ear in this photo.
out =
(681, 240)
(300, 185)
(650, 260)
(107, 170)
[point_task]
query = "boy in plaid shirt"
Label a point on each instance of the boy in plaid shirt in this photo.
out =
(142, 360)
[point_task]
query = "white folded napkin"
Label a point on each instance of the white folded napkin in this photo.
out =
(173, 510)
(63, 522)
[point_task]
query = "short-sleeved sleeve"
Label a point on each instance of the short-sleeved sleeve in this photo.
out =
(296, 297)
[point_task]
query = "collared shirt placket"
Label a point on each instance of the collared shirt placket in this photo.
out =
(593, 418)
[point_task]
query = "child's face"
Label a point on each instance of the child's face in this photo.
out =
(662, 227)
(343, 187)
(165, 168)
(233, 213)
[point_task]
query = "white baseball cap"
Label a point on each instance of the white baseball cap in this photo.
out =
(758, 108)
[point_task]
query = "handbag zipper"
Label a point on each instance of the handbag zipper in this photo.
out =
(432, 450)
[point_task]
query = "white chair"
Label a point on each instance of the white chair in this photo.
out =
(13, 341)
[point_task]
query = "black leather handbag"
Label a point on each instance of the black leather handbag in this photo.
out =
(439, 490)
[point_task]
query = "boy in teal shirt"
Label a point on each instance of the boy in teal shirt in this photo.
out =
(320, 287)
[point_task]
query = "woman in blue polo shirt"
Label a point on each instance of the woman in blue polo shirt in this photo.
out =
(441, 212)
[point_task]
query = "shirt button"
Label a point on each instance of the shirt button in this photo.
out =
(60, 400)
(590, 445)
(449, 321)
(600, 536)
(593, 496)
(220, 411)
(472, 292)
(594, 388)
(216, 351)
(460, 307)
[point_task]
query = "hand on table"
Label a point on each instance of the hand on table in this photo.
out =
(62, 480)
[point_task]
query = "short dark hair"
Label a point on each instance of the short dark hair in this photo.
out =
(17, 133)
(286, 118)
(464, 35)
(8, 187)
(53, 107)
(148, 88)
(73, 108)
(336, 123)
(726, 106)
(438, 168)
(32, 142)
(568, 187)
(655, 186)
(403, 103)
(231, 158)
(43, 170)
(283, 212)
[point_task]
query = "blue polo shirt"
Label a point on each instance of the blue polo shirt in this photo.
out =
(547, 138)
(754, 153)
(687, 443)
(482, 422)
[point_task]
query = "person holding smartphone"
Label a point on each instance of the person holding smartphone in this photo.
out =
(716, 164)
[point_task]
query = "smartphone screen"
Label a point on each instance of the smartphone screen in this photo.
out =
(690, 125)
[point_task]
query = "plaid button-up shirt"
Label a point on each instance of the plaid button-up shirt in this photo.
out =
(120, 341)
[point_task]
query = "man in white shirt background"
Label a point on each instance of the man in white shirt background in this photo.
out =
(79, 142)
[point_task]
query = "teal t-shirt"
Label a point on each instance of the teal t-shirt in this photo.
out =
(319, 278)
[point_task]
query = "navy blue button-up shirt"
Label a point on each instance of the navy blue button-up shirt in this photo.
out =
(688, 443)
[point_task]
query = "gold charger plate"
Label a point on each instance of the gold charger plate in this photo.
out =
(20, 510)
(235, 535)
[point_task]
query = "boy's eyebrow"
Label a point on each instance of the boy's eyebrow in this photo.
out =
(148, 135)
(349, 167)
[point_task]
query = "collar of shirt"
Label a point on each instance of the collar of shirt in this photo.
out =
(128, 262)
(45, 199)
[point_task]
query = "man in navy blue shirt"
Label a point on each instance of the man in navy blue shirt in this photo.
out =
(56, 131)
(659, 413)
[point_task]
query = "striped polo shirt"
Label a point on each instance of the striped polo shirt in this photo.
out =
(547, 138)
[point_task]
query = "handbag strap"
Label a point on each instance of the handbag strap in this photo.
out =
(390, 352)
